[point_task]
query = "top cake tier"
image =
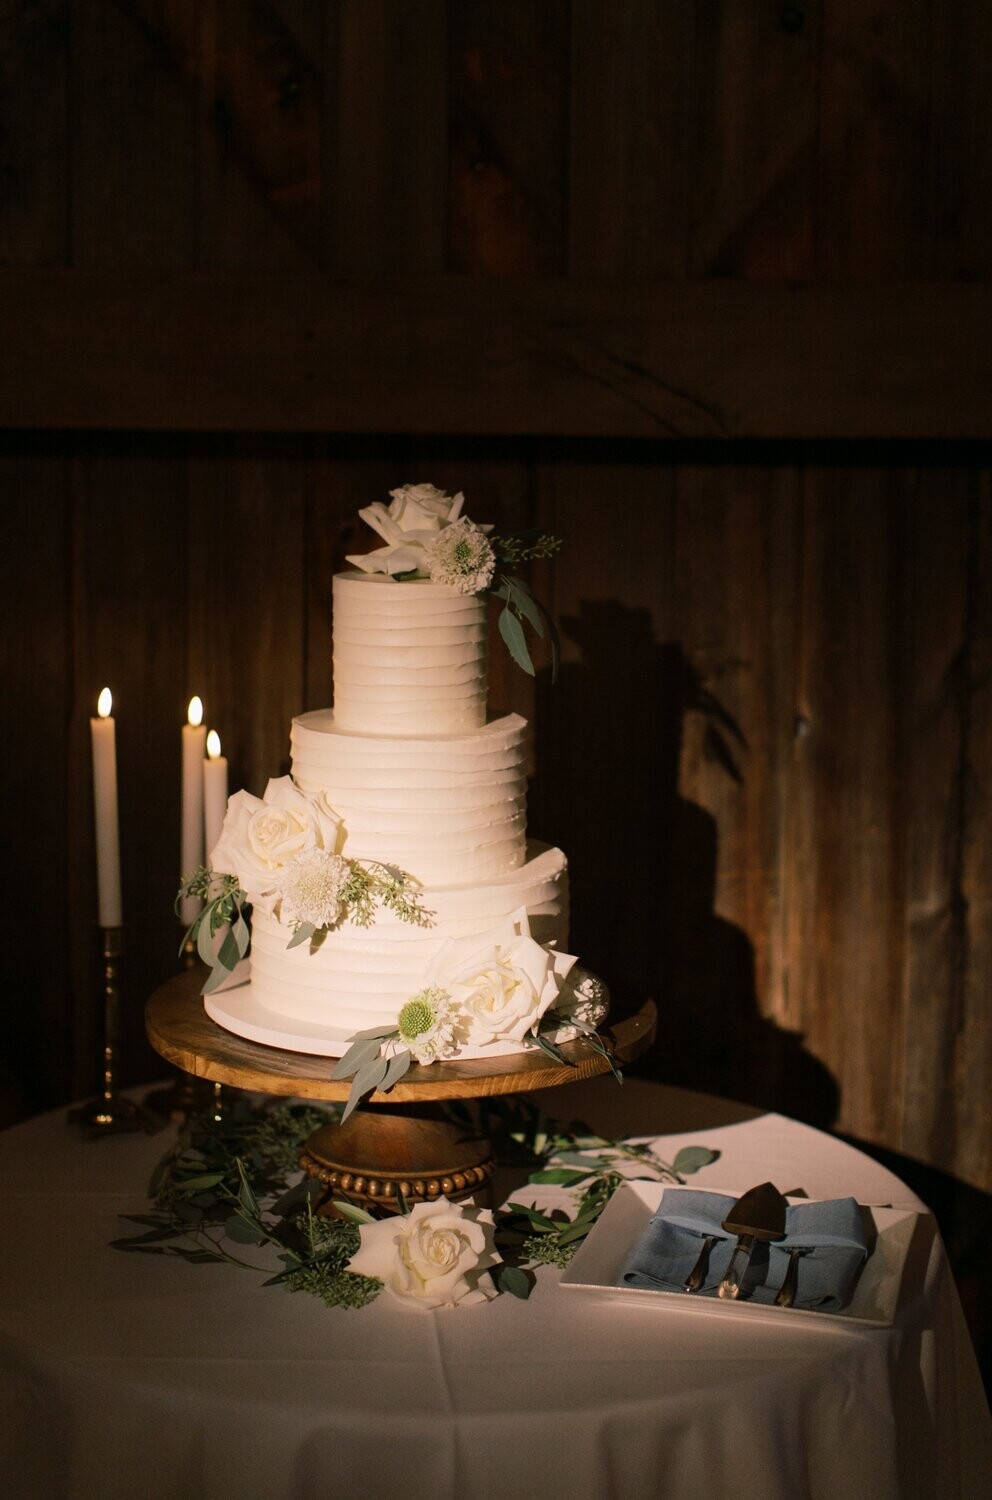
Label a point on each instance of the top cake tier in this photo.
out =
(409, 658)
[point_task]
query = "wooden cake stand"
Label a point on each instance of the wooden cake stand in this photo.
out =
(400, 1140)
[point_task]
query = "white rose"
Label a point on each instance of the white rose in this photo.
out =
(438, 1255)
(411, 521)
(500, 982)
(424, 507)
(261, 836)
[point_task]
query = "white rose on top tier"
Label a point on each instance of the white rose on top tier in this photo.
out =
(500, 982)
(262, 836)
(438, 1255)
(416, 514)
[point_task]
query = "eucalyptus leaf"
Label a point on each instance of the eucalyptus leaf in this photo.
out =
(246, 1195)
(515, 1281)
(574, 1231)
(302, 935)
(200, 1183)
(307, 1190)
(358, 1055)
(512, 632)
(534, 1215)
(691, 1158)
(523, 600)
(205, 942)
(367, 1079)
(216, 976)
(241, 1231)
(561, 1176)
(228, 955)
(552, 1049)
(399, 1064)
(579, 1159)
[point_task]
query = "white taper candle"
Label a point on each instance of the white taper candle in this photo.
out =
(191, 849)
(214, 790)
(108, 845)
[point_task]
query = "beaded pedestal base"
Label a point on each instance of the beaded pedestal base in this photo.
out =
(382, 1149)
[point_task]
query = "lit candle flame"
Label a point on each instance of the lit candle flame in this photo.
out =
(194, 713)
(213, 744)
(104, 704)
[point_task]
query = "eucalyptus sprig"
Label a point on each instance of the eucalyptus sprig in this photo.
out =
(226, 911)
(229, 1189)
(520, 607)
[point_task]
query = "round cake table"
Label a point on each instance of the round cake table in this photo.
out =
(144, 1378)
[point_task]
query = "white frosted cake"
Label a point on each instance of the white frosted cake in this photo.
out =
(408, 772)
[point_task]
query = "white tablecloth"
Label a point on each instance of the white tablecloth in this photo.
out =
(127, 1377)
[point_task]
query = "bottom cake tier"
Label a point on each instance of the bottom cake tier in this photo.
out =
(360, 977)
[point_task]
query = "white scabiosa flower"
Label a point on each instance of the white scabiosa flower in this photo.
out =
(462, 557)
(425, 1026)
(583, 998)
(311, 889)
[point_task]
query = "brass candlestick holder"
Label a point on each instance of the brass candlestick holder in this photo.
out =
(111, 1113)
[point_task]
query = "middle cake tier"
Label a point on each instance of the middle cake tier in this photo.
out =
(446, 809)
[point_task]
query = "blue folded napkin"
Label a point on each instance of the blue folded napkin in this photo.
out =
(832, 1233)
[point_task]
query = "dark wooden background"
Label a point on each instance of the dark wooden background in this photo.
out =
(701, 284)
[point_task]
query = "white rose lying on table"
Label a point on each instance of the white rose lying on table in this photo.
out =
(438, 1255)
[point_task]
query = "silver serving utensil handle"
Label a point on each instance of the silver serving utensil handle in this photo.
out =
(790, 1286)
(697, 1275)
(730, 1286)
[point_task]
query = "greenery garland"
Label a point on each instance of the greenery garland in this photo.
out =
(230, 1192)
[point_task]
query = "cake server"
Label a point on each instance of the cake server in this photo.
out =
(758, 1215)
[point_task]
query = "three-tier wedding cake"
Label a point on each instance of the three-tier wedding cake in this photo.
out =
(393, 865)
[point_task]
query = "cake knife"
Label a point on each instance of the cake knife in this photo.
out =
(758, 1215)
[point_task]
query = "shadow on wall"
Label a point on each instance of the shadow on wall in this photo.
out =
(644, 863)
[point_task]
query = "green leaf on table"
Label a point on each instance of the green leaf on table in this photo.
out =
(579, 1159)
(353, 1212)
(691, 1158)
(560, 1176)
(515, 1281)
(241, 1230)
(199, 1183)
(534, 1216)
(246, 1195)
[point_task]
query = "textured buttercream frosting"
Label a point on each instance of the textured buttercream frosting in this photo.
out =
(444, 809)
(409, 658)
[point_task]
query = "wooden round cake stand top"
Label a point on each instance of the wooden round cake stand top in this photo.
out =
(396, 1141)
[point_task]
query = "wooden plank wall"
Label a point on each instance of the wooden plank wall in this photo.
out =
(769, 753)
